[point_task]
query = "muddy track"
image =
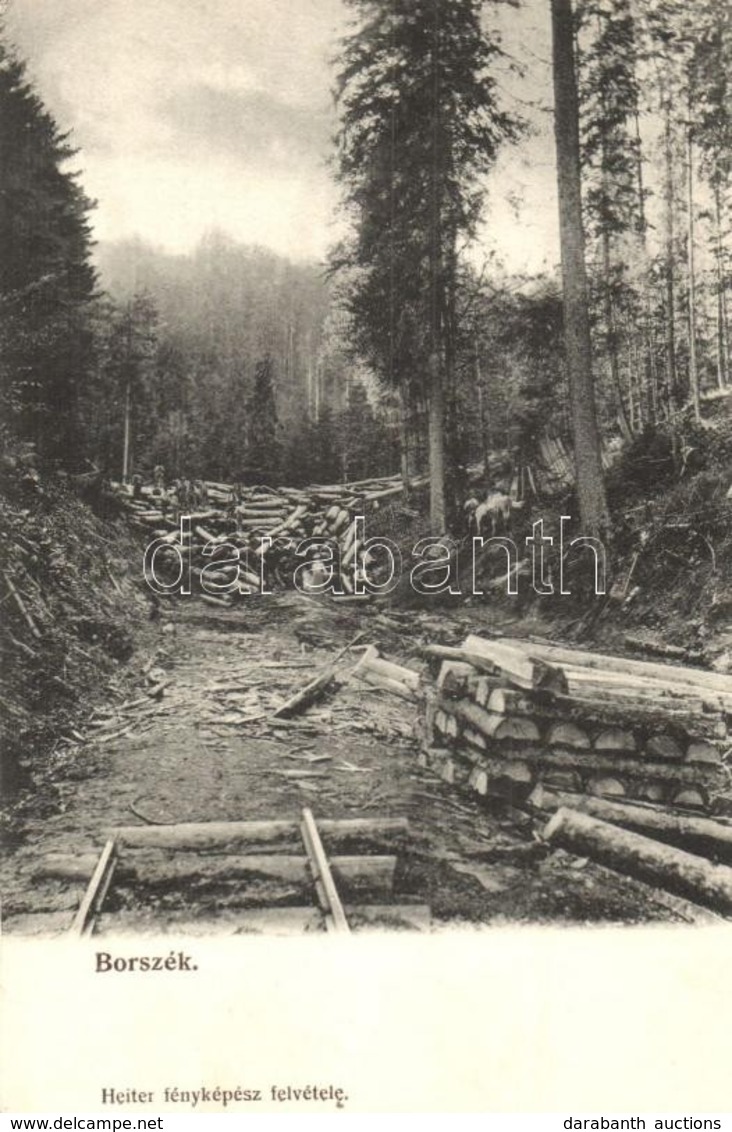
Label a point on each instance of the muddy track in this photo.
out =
(206, 750)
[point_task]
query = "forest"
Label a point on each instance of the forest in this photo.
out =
(399, 353)
(286, 416)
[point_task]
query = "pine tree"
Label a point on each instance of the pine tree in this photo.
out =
(46, 277)
(588, 462)
(262, 444)
(420, 124)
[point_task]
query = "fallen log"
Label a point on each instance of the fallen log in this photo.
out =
(251, 836)
(372, 665)
(697, 834)
(641, 857)
(376, 680)
(315, 688)
(354, 873)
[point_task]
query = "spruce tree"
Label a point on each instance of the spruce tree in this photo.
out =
(46, 276)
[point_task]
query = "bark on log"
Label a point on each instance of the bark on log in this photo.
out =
(493, 726)
(697, 834)
(457, 679)
(376, 680)
(670, 673)
(626, 711)
(250, 836)
(514, 663)
(596, 763)
(371, 661)
(357, 873)
(630, 853)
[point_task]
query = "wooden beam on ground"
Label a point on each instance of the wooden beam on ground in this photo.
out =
(355, 875)
(233, 836)
(93, 899)
(330, 901)
(697, 834)
(643, 858)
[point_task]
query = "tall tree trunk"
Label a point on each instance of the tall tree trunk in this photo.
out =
(649, 362)
(437, 376)
(126, 443)
(485, 440)
(611, 329)
(404, 441)
(722, 327)
(612, 336)
(588, 462)
(693, 363)
(673, 378)
(436, 447)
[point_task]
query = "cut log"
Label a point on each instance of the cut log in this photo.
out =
(605, 764)
(470, 735)
(692, 799)
(641, 857)
(628, 768)
(377, 680)
(664, 747)
(352, 874)
(371, 661)
(700, 751)
(622, 710)
(697, 834)
(615, 739)
(668, 673)
(457, 679)
(519, 668)
(568, 735)
(654, 792)
(251, 836)
(606, 786)
(562, 780)
(483, 689)
(583, 681)
(446, 724)
(315, 689)
(494, 726)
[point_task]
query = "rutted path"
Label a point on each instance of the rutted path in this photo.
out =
(207, 750)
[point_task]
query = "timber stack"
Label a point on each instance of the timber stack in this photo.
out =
(246, 534)
(509, 716)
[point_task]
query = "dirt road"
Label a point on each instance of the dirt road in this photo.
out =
(205, 752)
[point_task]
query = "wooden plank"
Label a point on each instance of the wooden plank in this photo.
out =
(330, 901)
(93, 899)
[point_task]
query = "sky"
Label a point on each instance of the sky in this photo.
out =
(201, 115)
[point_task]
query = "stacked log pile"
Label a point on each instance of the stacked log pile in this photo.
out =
(509, 715)
(234, 521)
